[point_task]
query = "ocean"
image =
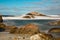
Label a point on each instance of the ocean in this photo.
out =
(41, 23)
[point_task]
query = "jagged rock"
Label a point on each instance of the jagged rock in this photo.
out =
(33, 15)
(55, 23)
(2, 27)
(54, 30)
(13, 29)
(27, 29)
(1, 20)
(36, 14)
(42, 36)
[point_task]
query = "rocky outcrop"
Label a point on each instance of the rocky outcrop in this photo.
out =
(42, 36)
(13, 29)
(55, 23)
(1, 20)
(35, 14)
(27, 29)
(54, 30)
(28, 16)
(9, 28)
(5, 28)
(2, 26)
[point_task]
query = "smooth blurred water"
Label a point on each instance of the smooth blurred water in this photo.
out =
(23, 22)
(41, 23)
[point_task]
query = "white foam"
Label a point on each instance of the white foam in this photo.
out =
(36, 17)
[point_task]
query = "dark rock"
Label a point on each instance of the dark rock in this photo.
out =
(12, 29)
(54, 30)
(1, 20)
(2, 27)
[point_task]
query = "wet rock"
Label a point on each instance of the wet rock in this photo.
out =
(29, 29)
(13, 29)
(2, 27)
(1, 20)
(54, 30)
(55, 23)
(26, 29)
(42, 36)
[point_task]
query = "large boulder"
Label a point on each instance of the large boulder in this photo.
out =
(12, 29)
(26, 29)
(42, 36)
(2, 27)
(55, 23)
(29, 29)
(54, 30)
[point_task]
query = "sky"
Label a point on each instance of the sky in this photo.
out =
(20, 7)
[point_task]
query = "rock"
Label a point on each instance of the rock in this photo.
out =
(1, 20)
(55, 23)
(54, 30)
(13, 30)
(28, 16)
(26, 29)
(35, 14)
(29, 29)
(57, 38)
(2, 27)
(42, 36)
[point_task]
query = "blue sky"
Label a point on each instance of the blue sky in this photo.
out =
(20, 7)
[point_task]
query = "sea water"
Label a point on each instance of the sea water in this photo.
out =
(41, 23)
